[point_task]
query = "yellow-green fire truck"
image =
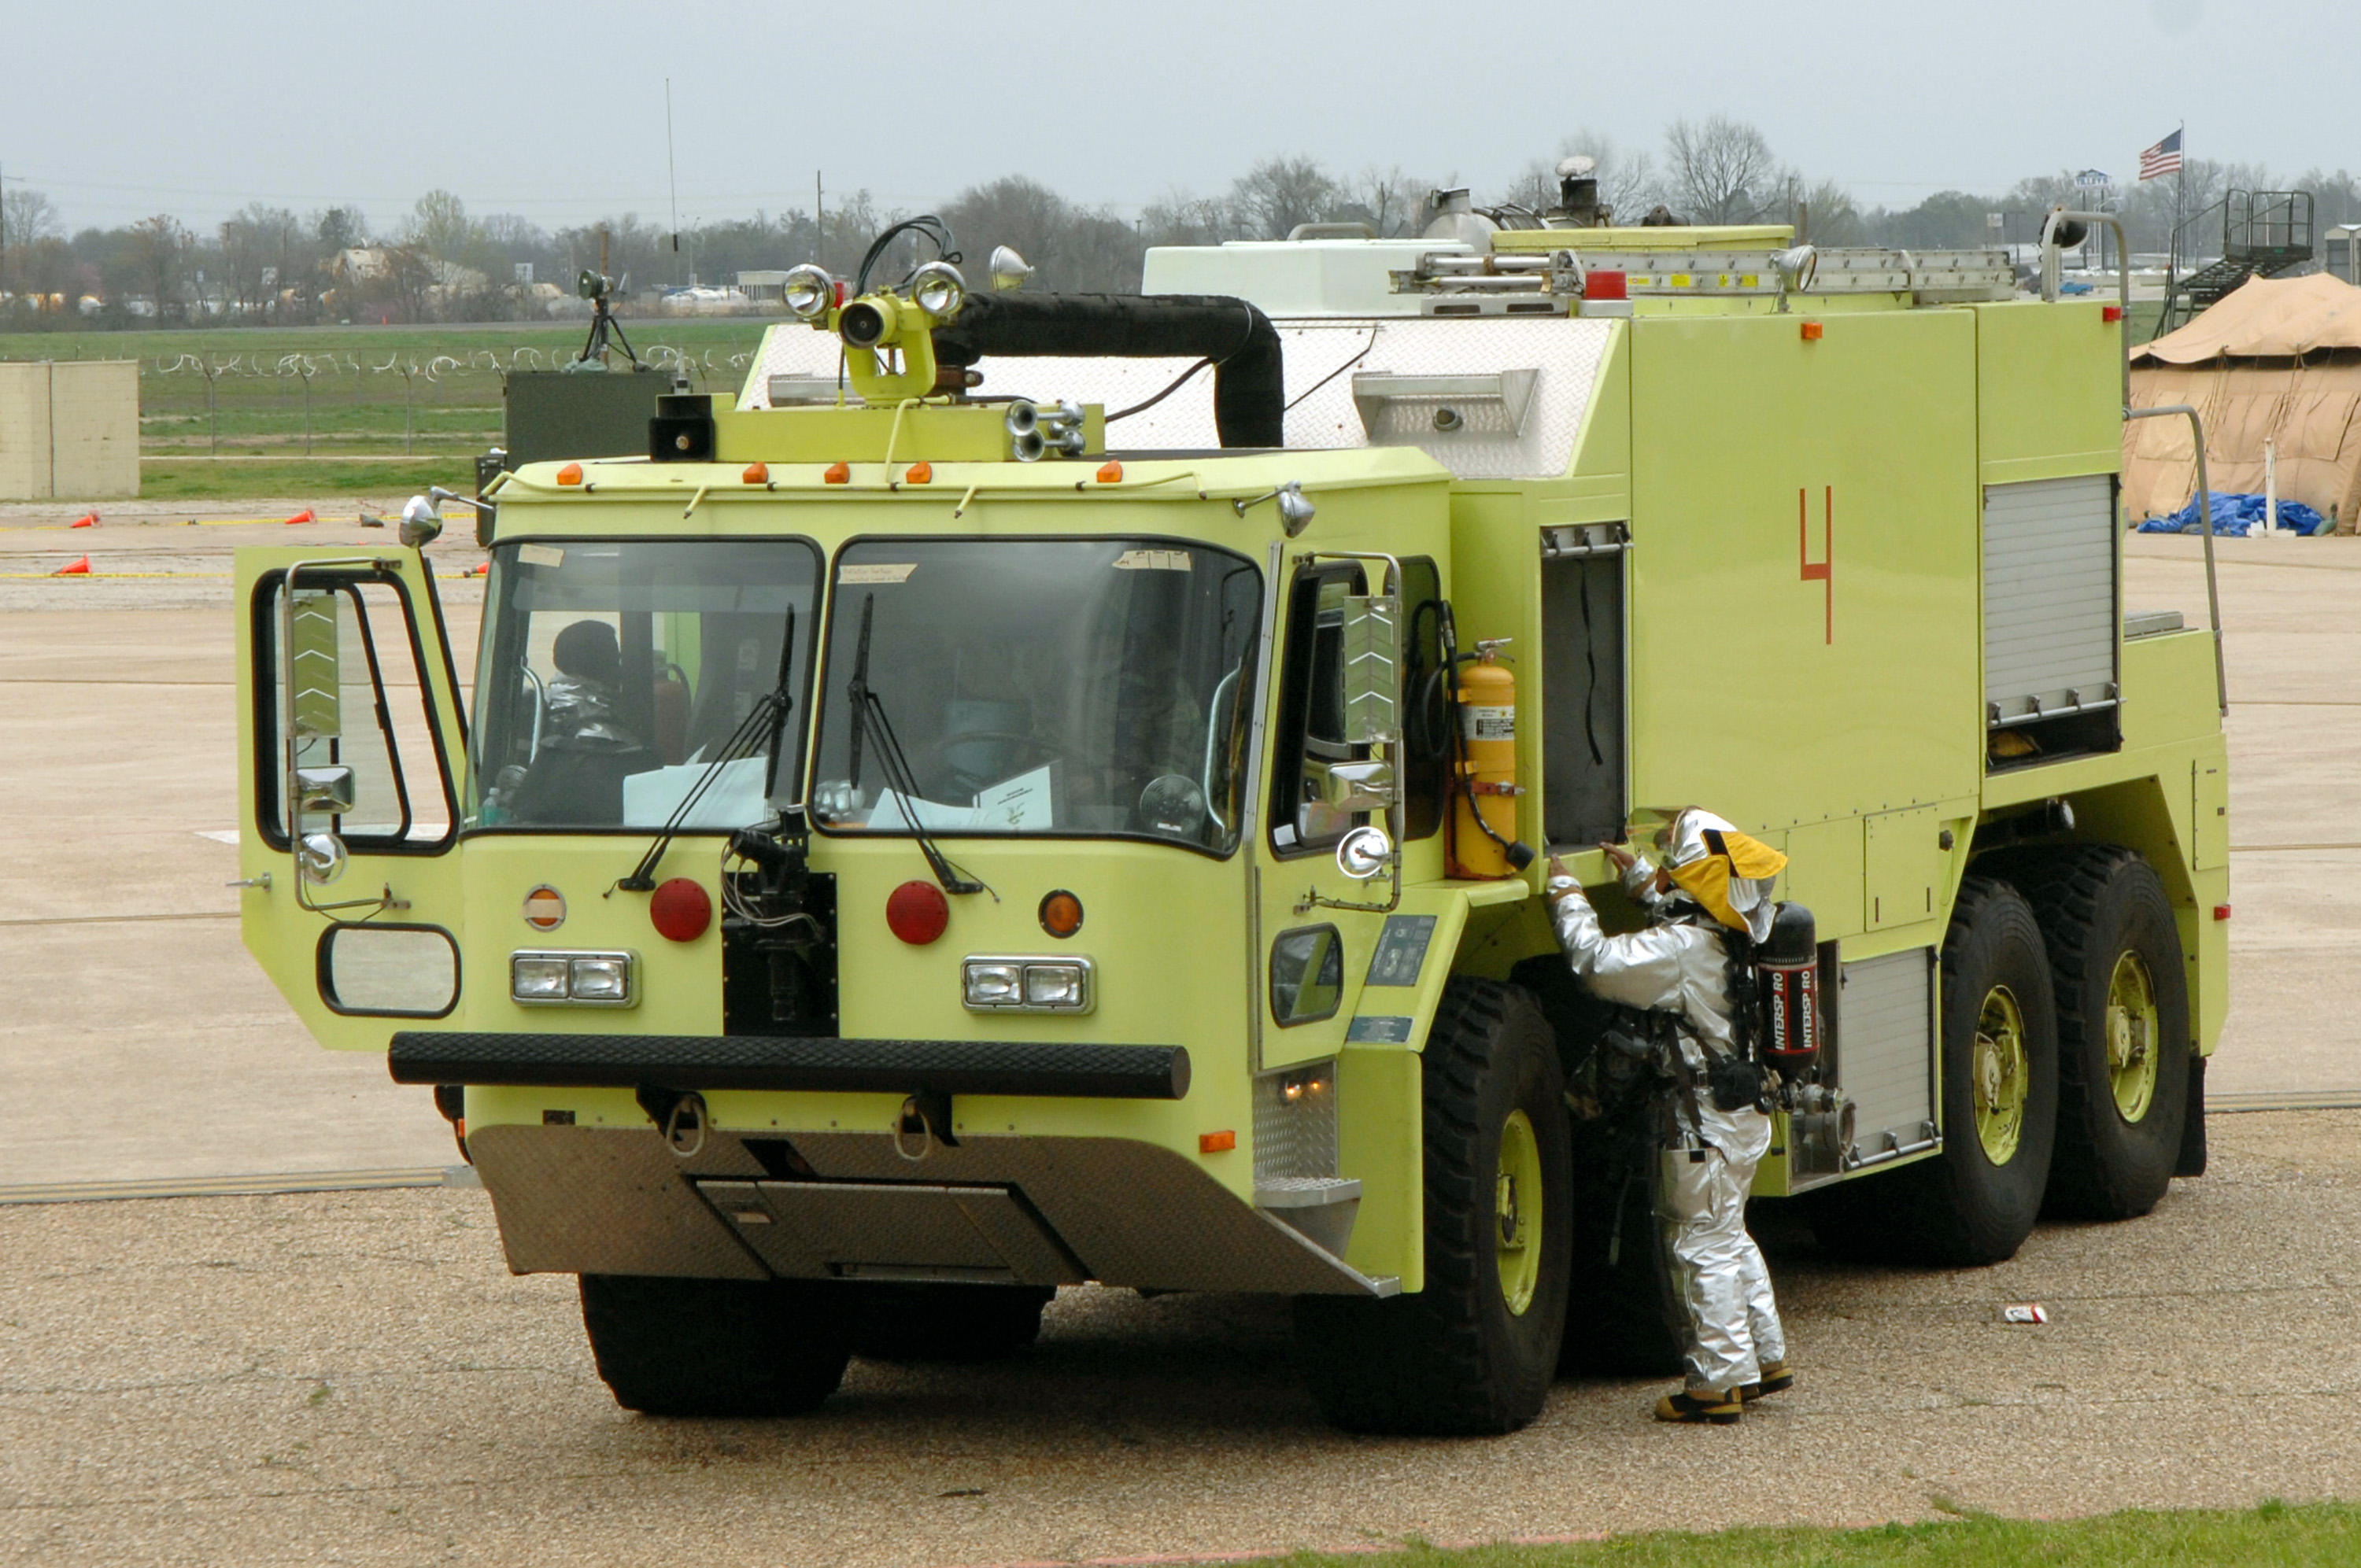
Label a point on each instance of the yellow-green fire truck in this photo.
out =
(1002, 803)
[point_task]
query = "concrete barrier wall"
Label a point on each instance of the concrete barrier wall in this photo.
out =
(70, 430)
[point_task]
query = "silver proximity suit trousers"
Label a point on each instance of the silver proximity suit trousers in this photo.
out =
(1679, 967)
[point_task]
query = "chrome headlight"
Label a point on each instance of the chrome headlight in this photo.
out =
(535, 979)
(810, 292)
(1053, 985)
(997, 984)
(602, 978)
(544, 977)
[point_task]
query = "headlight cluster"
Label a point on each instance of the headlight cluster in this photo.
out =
(1026, 985)
(542, 978)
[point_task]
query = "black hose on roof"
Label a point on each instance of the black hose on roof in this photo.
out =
(1249, 379)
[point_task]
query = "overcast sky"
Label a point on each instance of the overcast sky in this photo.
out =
(557, 111)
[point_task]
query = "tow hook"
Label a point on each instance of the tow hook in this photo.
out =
(927, 1115)
(682, 1117)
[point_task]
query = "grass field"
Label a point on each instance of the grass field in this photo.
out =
(2274, 1535)
(267, 399)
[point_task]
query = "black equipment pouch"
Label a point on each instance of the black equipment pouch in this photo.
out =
(1736, 1084)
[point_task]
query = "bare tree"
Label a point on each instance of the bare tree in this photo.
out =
(1180, 217)
(1829, 215)
(160, 249)
(1628, 185)
(1720, 171)
(1390, 201)
(1069, 247)
(1278, 193)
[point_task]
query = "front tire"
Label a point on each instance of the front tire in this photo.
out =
(715, 1347)
(2123, 1029)
(1474, 1352)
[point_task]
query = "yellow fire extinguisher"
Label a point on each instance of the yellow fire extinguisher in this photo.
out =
(1484, 804)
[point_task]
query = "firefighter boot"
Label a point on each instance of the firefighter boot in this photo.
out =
(1721, 1409)
(1777, 1378)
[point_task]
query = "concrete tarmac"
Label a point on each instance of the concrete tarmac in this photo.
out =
(354, 1378)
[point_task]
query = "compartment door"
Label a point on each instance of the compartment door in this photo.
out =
(351, 746)
(2050, 618)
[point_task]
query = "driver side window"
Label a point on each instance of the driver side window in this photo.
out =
(1310, 737)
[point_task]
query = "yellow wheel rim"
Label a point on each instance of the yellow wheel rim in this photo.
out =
(1999, 1075)
(2131, 1026)
(1517, 1212)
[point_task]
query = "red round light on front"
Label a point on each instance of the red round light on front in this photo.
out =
(1061, 914)
(681, 910)
(918, 912)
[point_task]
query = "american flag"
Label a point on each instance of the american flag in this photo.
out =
(2162, 159)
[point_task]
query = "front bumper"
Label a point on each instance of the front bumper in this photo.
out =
(851, 1205)
(699, 1062)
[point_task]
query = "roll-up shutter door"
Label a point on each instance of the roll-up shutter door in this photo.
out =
(1886, 1052)
(2049, 597)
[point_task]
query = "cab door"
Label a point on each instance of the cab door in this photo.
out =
(351, 743)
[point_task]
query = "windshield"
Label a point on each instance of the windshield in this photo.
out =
(1066, 687)
(613, 671)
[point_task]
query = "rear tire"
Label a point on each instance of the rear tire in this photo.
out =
(1476, 1350)
(1975, 1202)
(1624, 1318)
(947, 1322)
(715, 1347)
(2123, 1029)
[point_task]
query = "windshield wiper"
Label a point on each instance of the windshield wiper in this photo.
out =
(869, 708)
(767, 720)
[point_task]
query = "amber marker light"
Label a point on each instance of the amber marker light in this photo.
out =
(921, 472)
(1110, 472)
(1061, 914)
(838, 474)
(1216, 1143)
(570, 475)
(1812, 332)
(756, 473)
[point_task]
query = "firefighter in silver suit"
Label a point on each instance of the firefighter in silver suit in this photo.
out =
(1714, 878)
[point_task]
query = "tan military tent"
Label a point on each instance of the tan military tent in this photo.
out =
(2277, 359)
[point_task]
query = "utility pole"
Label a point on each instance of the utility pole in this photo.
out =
(819, 214)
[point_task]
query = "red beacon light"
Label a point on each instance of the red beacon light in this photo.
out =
(680, 910)
(917, 913)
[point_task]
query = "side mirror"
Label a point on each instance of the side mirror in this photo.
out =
(422, 523)
(325, 791)
(1358, 787)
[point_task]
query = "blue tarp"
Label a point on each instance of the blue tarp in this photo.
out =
(2235, 515)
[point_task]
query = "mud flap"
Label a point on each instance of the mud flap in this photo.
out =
(2192, 1124)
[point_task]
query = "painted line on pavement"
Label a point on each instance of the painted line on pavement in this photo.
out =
(2290, 1100)
(242, 1186)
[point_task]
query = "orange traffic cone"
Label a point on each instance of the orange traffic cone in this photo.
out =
(87, 520)
(73, 569)
(307, 515)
